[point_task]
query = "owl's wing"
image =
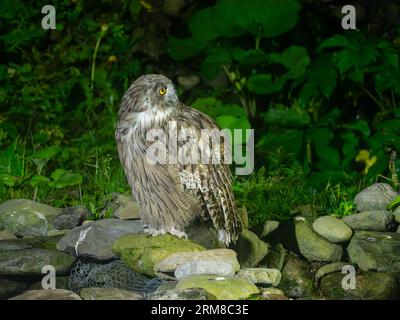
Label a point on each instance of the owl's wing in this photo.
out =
(212, 183)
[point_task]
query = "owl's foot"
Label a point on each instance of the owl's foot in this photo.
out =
(178, 233)
(173, 231)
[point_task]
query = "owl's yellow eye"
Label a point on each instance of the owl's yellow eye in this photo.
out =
(162, 91)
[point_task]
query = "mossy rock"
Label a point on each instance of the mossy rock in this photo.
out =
(250, 249)
(141, 252)
(220, 288)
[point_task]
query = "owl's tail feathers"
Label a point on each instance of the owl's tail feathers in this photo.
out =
(228, 237)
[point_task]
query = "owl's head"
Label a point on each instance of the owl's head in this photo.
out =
(151, 94)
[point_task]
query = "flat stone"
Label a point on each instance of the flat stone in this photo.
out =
(141, 251)
(314, 247)
(332, 229)
(167, 267)
(9, 288)
(370, 220)
(330, 268)
(27, 218)
(173, 294)
(108, 294)
(121, 206)
(368, 286)
(31, 261)
(250, 249)
(95, 240)
(297, 280)
(375, 251)
(198, 267)
(220, 288)
(261, 276)
(375, 197)
(71, 217)
(53, 294)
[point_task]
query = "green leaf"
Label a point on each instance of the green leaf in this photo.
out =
(263, 84)
(334, 42)
(226, 16)
(249, 57)
(269, 18)
(37, 180)
(200, 26)
(8, 180)
(282, 115)
(46, 154)
(57, 174)
(361, 126)
(182, 49)
(216, 57)
(295, 59)
(64, 179)
(209, 106)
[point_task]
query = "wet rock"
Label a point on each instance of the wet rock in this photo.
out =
(167, 267)
(94, 240)
(61, 283)
(265, 292)
(314, 247)
(9, 288)
(108, 294)
(31, 261)
(377, 251)
(268, 227)
(375, 197)
(396, 214)
(369, 286)
(297, 280)
(71, 217)
(172, 294)
(121, 206)
(26, 218)
(250, 249)
(330, 268)
(54, 294)
(275, 257)
(332, 229)
(261, 276)
(220, 288)
(370, 220)
(141, 252)
(198, 267)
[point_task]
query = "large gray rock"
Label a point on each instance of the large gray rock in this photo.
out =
(297, 280)
(268, 227)
(370, 220)
(250, 249)
(168, 266)
(9, 288)
(53, 294)
(173, 294)
(330, 268)
(368, 286)
(31, 261)
(275, 257)
(314, 247)
(261, 276)
(94, 240)
(375, 251)
(199, 267)
(26, 218)
(71, 217)
(375, 197)
(332, 229)
(48, 242)
(396, 214)
(121, 206)
(108, 294)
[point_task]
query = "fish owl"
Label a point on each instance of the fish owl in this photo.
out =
(172, 191)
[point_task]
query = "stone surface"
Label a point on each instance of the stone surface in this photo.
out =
(244, 217)
(220, 288)
(48, 242)
(4, 235)
(370, 220)
(61, 283)
(375, 197)
(26, 218)
(94, 240)
(271, 291)
(173, 294)
(332, 229)
(314, 247)
(377, 251)
(54, 294)
(9, 288)
(268, 227)
(261, 276)
(204, 233)
(141, 252)
(167, 266)
(121, 206)
(71, 217)
(297, 280)
(396, 214)
(108, 294)
(31, 261)
(250, 249)
(198, 267)
(275, 257)
(330, 268)
(369, 286)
